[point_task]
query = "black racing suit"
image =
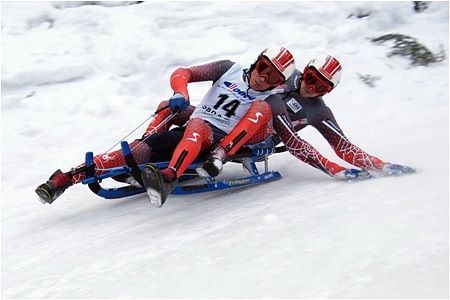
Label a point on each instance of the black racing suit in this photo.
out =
(291, 113)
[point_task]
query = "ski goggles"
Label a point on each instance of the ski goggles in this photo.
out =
(315, 83)
(266, 70)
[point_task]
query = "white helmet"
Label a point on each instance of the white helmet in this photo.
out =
(281, 58)
(328, 66)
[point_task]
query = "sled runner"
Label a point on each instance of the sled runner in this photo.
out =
(248, 158)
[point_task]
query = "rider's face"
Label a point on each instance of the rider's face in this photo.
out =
(264, 76)
(258, 82)
(305, 92)
(312, 85)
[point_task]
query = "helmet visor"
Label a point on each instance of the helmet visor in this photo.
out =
(265, 69)
(315, 83)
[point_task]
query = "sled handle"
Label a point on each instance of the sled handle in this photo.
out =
(89, 170)
(146, 120)
(131, 162)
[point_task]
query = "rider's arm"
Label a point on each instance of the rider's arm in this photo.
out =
(301, 148)
(298, 147)
(345, 149)
(211, 71)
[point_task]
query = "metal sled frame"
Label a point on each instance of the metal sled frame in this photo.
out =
(248, 160)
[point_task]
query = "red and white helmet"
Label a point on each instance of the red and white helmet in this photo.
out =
(281, 58)
(328, 66)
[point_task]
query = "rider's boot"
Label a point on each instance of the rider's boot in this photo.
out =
(54, 187)
(158, 184)
(213, 165)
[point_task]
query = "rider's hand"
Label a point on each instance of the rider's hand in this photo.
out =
(178, 103)
(352, 174)
(394, 169)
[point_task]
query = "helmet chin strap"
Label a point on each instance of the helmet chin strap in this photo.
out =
(246, 75)
(300, 78)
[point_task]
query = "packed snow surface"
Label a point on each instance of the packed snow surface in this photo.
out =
(77, 78)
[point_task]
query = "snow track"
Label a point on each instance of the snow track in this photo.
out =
(77, 78)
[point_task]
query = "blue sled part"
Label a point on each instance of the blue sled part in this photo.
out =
(127, 191)
(227, 184)
(93, 181)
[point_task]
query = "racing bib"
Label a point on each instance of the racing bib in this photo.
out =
(294, 105)
(227, 101)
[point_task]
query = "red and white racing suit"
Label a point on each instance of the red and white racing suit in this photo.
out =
(230, 109)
